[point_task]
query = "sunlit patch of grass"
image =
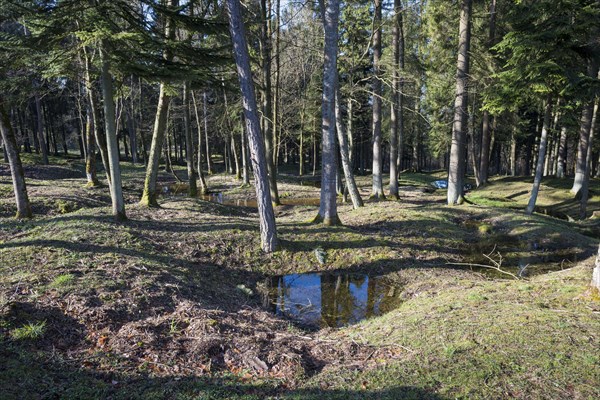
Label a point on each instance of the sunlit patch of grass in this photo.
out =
(29, 331)
(62, 281)
(461, 337)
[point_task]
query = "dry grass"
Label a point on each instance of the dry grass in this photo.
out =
(150, 308)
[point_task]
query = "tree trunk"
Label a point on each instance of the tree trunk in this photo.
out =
(234, 155)
(132, 128)
(189, 142)
(158, 137)
(4, 152)
(596, 274)
(328, 202)
(226, 156)
(584, 134)
(457, 150)
(541, 155)
(47, 124)
(315, 156)
(167, 148)
(342, 140)
(116, 190)
(93, 109)
(40, 130)
(588, 168)
(301, 145)
(486, 127)
(16, 168)
(484, 158)
(562, 153)
(396, 120)
(139, 126)
(209, 169)
(81, 138)
(245, 163)
(276, 93)
(266, 215)
(377, 191)
(473, 146)
(90, 159)
(132, 135)
(201, 180)
(265, 56)
(160, 125)
(553, 144)
(350, 134)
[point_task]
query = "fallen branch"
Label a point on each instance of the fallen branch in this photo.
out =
(496, 264)
(485, 266)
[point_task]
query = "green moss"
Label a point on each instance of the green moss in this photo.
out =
(65, 206)
(485, 229)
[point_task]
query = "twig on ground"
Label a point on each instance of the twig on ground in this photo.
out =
(496, 264)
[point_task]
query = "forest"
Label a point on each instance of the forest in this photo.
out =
(204, 199)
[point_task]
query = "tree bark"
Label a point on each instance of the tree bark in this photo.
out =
(315, 155)
(234, 155)
(266, 215)
(301, 144)
(539, 169)
(473, 147)
(596, 274)
(90, 158)
(116, 190)
(131, 126)
(149, 196)
(396, 120)
(584, 134)
(484, 160)
(209, 169)
(486, 127)
(40, 130)
(377, 191)
(201, 180)
(14, 161)
(276, 93)
(562, 153)
(245, 163)
(343, 141)
(265, 55)
(93, 110)
(189, 142)
(588, 168)
(553, 144)
(328, 201)
(457, 150)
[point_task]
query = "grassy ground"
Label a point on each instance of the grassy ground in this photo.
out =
(168, 304)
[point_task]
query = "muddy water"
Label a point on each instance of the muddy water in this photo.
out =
(330, 299)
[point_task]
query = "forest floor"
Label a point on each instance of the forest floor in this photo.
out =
(169, 303)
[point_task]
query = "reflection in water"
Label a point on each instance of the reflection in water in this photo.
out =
(328, 299)
(180, 189)
(520, 257)
(219, 198)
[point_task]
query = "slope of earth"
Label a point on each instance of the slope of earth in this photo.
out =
(168, 303)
